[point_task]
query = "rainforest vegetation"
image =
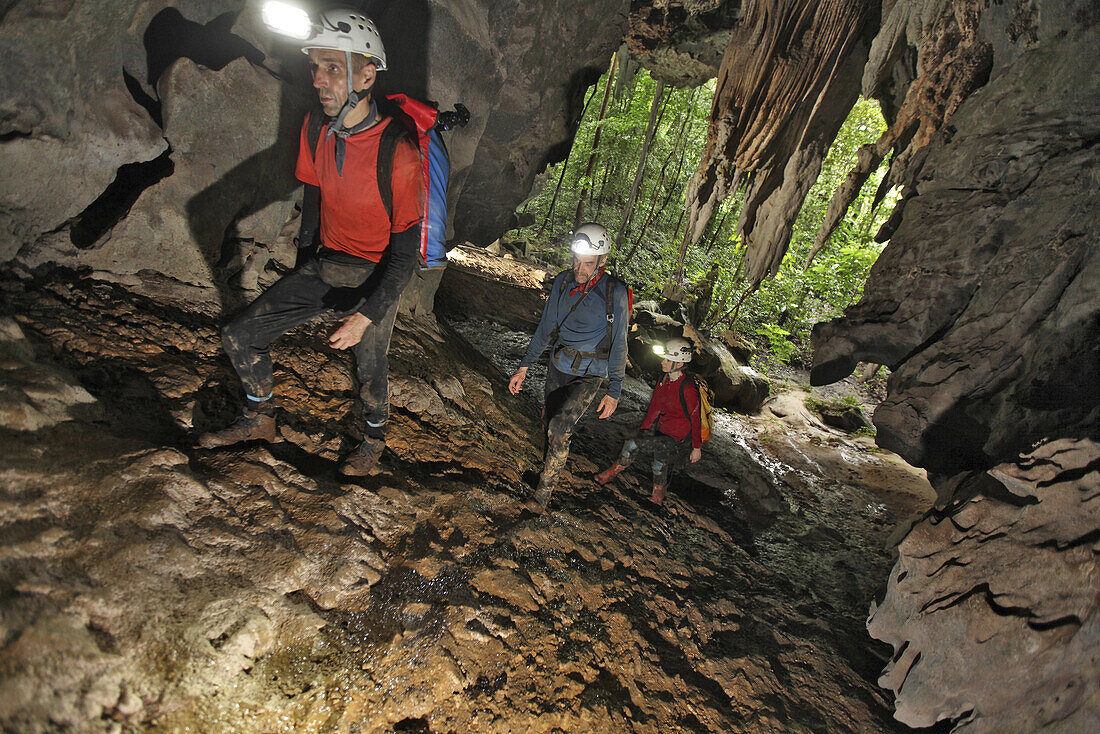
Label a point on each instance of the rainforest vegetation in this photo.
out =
(637, 147)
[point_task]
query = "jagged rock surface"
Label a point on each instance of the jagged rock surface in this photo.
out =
(985, 304)
(150, 585)
(681, 42)
(787, 81)
(531, 119)
(1006, 576)
(216, 202)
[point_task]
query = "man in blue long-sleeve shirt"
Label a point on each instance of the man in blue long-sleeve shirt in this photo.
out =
(584, 323)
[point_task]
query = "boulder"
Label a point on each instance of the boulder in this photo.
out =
(742, 350)
(67, 121)
(736, 386)
(848, 418)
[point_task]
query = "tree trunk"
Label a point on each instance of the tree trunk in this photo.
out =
(653, 213)
(595, 142)
(627, 68)
(652, 127)
(564, 168)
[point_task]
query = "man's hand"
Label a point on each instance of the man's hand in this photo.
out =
(516, 383)
(696, 454)
(607, 406)
(349, 332)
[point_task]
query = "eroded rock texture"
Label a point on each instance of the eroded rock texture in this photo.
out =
(788, 79)
(681, 42)
(1007, 579)
(986, 305)
(146, 585)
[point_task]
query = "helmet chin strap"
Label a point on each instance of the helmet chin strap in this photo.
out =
(337, 125)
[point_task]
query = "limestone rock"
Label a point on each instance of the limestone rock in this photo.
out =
(1007, 579)
(67, 122)
(985, 302)
(681, 42)
(533, 96)
(209, 120)
(34, 396)
(736, 386)
(150, 584)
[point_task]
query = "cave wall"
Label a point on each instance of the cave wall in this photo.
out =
(986, 306)
(152, 143)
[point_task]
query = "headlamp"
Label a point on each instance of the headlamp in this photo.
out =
(287, 20)
(583, 246)
(659, 349)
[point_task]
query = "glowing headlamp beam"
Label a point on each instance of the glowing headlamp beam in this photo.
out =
(287, 20)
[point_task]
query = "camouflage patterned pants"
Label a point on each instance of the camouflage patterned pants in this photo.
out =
(667, 453)
(567, 399)
(322, 284)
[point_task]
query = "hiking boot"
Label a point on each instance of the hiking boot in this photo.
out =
(612, 472)
(538, 501)
(363, 460)
(252, 425)
(658, 496)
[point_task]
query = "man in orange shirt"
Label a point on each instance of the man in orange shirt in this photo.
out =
(369, 239)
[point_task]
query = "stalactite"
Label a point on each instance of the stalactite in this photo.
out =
(789, 75)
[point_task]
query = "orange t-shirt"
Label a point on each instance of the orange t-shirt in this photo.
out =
(353, 217)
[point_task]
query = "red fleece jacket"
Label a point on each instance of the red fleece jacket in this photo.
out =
(665, 408)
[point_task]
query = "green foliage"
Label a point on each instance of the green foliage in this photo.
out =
(781, 313)
(821, 407)
(779, 345)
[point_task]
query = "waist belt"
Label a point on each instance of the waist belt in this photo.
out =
(578, 355)
(343, 258)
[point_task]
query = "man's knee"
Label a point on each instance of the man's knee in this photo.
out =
(237, 335)
(557, 441)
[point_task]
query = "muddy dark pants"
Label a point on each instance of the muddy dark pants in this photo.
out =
(321, 284)
(567, 399)
(667, 453)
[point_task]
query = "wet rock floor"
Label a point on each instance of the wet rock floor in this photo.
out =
(146, 585)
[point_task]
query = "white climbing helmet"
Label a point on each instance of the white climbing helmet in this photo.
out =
(590, 239)
(675, 350)
(347, 30)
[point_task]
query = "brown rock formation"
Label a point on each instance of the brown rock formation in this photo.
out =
(681, 42)
(1007, 578)
(87, 183)
(787, 81)
(149, 585)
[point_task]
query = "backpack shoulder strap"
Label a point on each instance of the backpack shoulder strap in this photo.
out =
(315, 121)
(604, 348)
(683, 400)
(387, 148)
(557, 327)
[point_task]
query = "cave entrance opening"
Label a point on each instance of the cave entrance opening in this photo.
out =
(636, 148)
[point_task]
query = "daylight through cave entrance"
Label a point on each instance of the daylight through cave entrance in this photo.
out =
(636, 149)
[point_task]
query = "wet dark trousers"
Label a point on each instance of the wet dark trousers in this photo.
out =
(667, 453)
(319, 285)
(567, 399)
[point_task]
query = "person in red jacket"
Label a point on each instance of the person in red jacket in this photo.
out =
(674, 408)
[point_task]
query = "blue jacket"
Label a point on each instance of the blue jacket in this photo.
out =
(583, 330)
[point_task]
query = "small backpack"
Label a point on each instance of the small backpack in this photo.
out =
(421, 122)
(706, 405)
